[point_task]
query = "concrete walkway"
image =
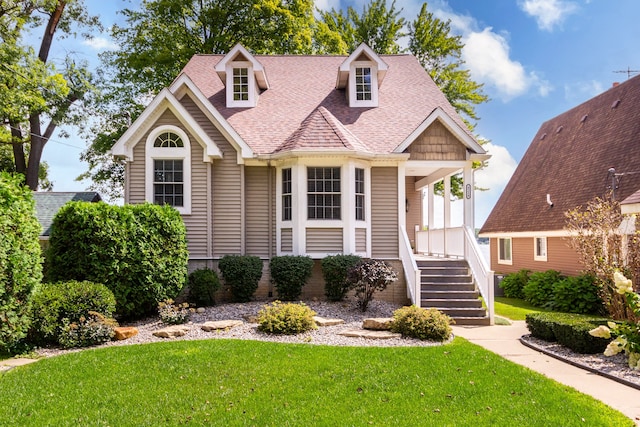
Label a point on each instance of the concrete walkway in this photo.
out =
(504, 341)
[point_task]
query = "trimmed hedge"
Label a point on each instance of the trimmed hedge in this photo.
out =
(334, 270)
(241, 273)
(138, 251)
(289, 274)
(20, 259)
(570, 330)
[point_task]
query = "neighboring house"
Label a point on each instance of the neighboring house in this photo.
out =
(48, 203)
(573, 158)
(298, 155)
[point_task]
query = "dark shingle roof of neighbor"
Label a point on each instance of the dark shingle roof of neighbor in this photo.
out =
(48, 203)
(569, 159)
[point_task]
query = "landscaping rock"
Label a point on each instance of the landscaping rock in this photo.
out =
(200, 310)
(321, 321)
(125, 332)
(377, 323)
(369, 334)
(251, 318)
(220, 324)
(172, 331)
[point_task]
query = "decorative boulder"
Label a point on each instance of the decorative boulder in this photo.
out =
(321, 321)
(220, 324)
(377, 324)
(172, 331)
(125, 332)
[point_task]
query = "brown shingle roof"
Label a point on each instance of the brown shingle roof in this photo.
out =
(300, 85)
(569, 159)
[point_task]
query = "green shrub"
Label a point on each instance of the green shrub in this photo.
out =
(87, 331)
(539, 289)
(138, 251)
(570, 330)
(203, 284)
(370, 276)
(289, 274)
(55, 303)
(241, 273)
(20, 263)
(334, 271)
(577, 295)
(172, 313)
(514, 283)
(286, 318)
(421, 323)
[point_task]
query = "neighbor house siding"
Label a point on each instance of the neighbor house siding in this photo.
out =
(384, 212)
(258, 212)
(437, 143)
(324, 240)
(560, 257)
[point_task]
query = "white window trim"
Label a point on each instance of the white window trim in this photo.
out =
(353, 101)
(253, 94)
(537, 257)
(505, 261)
(169, 153)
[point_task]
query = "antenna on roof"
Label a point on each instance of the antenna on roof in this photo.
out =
(628, 72)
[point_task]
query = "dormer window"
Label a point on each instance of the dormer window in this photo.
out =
(361, 75)
(243, 76)
(363, 84)
(240, 84)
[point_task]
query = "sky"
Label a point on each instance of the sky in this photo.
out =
(535, 58)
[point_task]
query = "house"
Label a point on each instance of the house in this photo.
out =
(582, 153)
(48, 203)
(272, 155)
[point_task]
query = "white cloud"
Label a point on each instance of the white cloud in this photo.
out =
(101, 43)
(327, 5)
(580, 91)
(548, 13)
(495, 177)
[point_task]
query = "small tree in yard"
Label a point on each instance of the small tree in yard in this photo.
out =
(20, 265)
(370, 276)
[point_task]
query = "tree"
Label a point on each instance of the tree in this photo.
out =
(32, 90)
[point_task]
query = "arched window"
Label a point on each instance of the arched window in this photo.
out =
(168, 168)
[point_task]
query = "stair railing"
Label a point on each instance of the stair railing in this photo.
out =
(480, 270)
(411, 270)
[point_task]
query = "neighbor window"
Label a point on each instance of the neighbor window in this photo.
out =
(168, 182)
(504, 250)
(540, 249)
(240, 84)
(359, 180)
(323, 193)
(363, 84)
(286, 194)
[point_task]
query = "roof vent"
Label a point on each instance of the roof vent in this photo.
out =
(543, 136)
(584, 118)
(559, 129)
(615, 103)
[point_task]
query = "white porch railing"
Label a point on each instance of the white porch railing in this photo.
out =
(411, 270)
(460, 242)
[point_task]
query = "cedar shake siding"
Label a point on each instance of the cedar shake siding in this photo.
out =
(437, 143)
(560, 256)
(259, 196)
(384, 212)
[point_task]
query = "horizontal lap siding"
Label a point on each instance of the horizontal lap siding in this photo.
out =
(257, 211)
(196, 222)
(384, 212)
(324, 240)
(286, 240)
(361, 239)
(560, 257)
(136, 174)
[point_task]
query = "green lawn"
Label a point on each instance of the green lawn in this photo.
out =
(245, 383)
(514, 308)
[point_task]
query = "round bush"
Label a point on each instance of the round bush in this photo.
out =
(577, 295)
(241, 273)
(421, 323)
(52, 303)
(203, 284)
(514, 283)
(539, 289)
(286, 318)
(334, 270)
(87, 331)
(289, 275)
(20, 264)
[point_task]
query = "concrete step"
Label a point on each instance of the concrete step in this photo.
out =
(451, 303)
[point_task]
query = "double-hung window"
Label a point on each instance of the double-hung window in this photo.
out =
(359, 181)
(286, 195)
(323, 193)
(240, 84)
(540, 248)
(363, 84)
(504, 250)
(168, 182)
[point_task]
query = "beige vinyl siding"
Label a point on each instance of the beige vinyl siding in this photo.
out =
(136, 174)
(197, 226)
(414, 216)
(257, 203)
(324, 240)
(286, 240)
(384, 212)
(559, 257)
(437, 143)
(361, 239)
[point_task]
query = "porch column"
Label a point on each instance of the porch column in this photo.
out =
(431, 189)
(447, 210)
(469, 197)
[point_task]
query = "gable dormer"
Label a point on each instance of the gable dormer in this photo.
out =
(361, 74)
(243, 77)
